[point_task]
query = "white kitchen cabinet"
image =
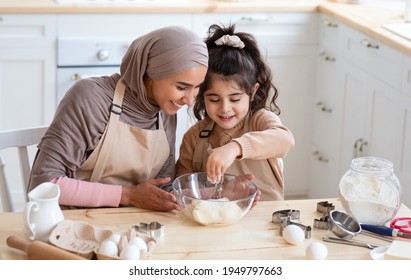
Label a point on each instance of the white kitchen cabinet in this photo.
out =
(27, 70)
(403, 147)
(289, 41)
(374, 114)
(27, 81)
(372, 83)
(370, 117)
(360, 108)
(406, 76)
(324, 152)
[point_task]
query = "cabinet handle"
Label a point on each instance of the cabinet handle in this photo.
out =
(329, 23)
(323, 108)
(320, 157)
(326, 57)
(361, 147)
(358, 149)
(369, 44)
(77, 76)
(256, 18)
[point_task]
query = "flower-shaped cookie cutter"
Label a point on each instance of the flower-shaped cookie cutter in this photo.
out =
(153, 229)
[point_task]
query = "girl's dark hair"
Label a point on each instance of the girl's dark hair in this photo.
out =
(244, 66)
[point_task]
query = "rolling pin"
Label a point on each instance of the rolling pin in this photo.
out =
(38, 250)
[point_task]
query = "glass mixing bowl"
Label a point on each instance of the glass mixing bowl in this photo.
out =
(214, 204)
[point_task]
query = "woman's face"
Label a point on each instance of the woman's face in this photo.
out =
(174, 92)
(226, 103)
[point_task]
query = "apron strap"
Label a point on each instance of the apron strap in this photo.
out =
(201, 147)
(111, 130)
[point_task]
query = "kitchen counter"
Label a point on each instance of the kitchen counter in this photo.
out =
(160, 6)
(367, 18)
(254, 237)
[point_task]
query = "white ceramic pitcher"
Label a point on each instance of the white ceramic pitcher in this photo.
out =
(42, 212)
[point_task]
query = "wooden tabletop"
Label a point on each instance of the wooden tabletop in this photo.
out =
(255, 237)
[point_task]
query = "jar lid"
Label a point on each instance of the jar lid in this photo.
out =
(402, 224)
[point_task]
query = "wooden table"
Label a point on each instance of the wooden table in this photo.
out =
(254, 237)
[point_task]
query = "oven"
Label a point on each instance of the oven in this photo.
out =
(84, 57)
(79, 58)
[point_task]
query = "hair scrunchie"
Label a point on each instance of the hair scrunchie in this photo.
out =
(230, 40)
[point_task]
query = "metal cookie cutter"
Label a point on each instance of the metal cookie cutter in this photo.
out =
(323, 207)
(278, 216)
(153, 229)
(323, 222)
(284, 217)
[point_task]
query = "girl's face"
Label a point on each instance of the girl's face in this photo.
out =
(174, 92)
(226, 104)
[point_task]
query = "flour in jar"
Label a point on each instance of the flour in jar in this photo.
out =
(369, 199)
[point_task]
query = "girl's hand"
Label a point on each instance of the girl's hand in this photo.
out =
(220, 160)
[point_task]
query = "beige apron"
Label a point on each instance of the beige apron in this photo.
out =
(125, 155)
(263, 171)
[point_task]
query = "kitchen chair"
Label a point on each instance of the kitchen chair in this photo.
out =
(20, 139)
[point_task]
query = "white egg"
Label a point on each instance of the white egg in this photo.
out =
(293, 234)
(115, 237)
(316, 251)
(108, 248)
(140, 243)
(130, 252)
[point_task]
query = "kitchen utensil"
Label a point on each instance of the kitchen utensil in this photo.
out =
(153, 229)
(42, 212)
(402, 224)
(376, 235)
(195, 198)
(285, 217)
(378, 253)
(218, 189)
(38, 250)
(343, 225)
(349, 242)
(387, 231)
(325, 207)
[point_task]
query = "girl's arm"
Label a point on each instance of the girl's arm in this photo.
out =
(267, 138)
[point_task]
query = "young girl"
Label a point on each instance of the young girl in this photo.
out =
(238, 131)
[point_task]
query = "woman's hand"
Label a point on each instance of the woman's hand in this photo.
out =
(149, 196)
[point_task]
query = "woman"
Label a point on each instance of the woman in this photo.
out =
(112, 140)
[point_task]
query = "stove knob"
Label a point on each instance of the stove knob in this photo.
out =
(103, 54)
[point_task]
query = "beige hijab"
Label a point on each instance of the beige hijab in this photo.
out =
(160, 54)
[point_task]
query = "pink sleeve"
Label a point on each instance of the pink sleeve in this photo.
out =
(75, 192)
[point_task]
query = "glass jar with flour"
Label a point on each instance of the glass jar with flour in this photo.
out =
(370, 191)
